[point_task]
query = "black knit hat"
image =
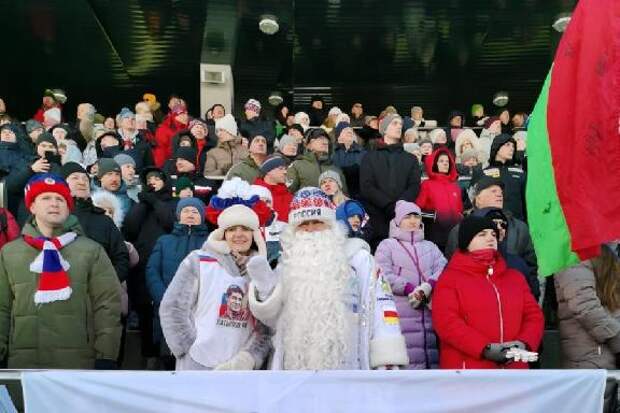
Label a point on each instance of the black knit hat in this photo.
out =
(315, 134)
(47, 137)
(70, 168)
(472, 225)
(186, 152)
(297, 127)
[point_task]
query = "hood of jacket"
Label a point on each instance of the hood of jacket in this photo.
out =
(177, 138)
(430, 160)
(462, 139)
(463, 263)
(98, 148)
(454, 114)
(406, 236)
(497, 143)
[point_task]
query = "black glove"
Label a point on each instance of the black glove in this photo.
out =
(495, 352)
(148, 197)
(105, 364)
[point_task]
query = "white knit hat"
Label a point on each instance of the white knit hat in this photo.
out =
(310, 203)
(53, 113)
(334, 111)
(228, 123)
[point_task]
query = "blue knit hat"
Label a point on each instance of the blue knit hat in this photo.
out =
(340, 127)
(126, 113)
(272, 163)
(194, 202)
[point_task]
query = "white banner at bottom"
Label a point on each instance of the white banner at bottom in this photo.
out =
(427, 391)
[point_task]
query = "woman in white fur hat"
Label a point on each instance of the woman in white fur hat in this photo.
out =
(204, 313)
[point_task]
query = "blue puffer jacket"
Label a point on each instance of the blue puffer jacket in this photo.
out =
(167, 255)
(349, 161)
(163, 263)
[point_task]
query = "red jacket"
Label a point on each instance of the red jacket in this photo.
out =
(471, 310)
(163, 139)
(440, 192)
(281, 198)
(11, 231)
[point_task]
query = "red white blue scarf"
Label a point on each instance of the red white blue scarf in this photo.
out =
(54, 282)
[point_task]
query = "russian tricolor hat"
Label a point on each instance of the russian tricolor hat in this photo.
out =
(46, 182)
(311, 203)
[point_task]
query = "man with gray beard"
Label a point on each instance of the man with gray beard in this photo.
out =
(326, 301)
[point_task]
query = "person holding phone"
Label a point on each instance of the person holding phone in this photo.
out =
(46, 160)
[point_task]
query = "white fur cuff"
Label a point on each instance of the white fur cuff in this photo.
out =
(388, 350)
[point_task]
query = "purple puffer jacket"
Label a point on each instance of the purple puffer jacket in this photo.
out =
(399, 268)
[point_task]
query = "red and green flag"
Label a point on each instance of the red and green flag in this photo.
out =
(573, 183)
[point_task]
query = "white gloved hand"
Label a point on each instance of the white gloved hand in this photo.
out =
(420, 295)
(517, 354)
(241, 361)
(262, 276)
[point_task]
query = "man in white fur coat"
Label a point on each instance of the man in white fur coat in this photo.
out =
(329, 307)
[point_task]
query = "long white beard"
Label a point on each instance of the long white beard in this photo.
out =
(314, 322)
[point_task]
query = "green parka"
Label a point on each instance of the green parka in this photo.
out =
(68, 334)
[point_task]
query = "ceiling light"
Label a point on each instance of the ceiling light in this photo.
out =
(268, 24)
(500, 99)
(275, 98)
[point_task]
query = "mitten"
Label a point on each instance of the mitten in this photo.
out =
(423, 290)
(262, 276)
(241, 361)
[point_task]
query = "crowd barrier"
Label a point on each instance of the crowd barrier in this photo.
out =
(504, 391)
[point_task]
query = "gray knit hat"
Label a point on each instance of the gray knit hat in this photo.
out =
(124, 159)
(287, 140)
(32, 124)
(386, 121)
(331, 174)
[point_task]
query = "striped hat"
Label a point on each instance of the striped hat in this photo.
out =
(310, 203)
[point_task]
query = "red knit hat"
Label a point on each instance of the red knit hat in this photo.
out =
(47, 182)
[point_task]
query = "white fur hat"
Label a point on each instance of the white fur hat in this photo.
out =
(434, 134)
(238, 215)
(232, 216)
(228, 123)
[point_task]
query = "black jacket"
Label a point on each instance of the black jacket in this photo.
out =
(387, 175)
(511, 174)
(148, 220)
(100, 228)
